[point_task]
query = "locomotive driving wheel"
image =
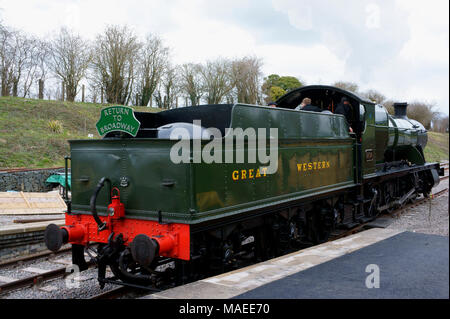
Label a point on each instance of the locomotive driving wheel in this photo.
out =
(389, 197)
(372, 210)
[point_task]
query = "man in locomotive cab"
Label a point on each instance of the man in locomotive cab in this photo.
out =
(301, 105)
(345, 108)
(272, 104)
(306, 106)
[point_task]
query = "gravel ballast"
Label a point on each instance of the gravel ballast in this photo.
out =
(431, 217)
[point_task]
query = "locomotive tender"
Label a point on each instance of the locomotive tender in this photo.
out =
(144, 210)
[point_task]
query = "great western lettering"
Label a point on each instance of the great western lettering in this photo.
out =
(312, 166)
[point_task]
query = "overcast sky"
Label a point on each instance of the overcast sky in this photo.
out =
(400, 48)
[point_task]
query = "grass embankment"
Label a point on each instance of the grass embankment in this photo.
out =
(437, 147)
(26, 139)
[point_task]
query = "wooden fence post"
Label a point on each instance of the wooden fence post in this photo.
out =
(41, 89)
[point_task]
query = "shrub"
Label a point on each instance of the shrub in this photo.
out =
(55, 126)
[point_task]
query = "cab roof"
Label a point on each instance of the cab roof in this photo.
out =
(295, 96)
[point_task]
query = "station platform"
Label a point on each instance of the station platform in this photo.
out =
(410, 265)
(21, 239)
(29, 227)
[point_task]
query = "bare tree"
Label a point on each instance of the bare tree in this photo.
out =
(349, 86)
(217, 80)
(114, 63)
(422, 112)
(389, 105)
(35, 64)
(440, 123)
(246, 76)
(94, 92)
(152, 63)
(375, 96)
(21, 54)
(17, 65)
(70, 58)
(41, 60)
(6, 59)
(191, 82)
(167, 93)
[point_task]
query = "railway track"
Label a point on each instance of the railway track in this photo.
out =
(35, 280)
(40, 278)
(32, 280)
(20, 260)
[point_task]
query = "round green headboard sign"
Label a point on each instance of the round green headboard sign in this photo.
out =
(117, 118)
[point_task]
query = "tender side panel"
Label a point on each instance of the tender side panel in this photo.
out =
(306, 165)
(148, 180)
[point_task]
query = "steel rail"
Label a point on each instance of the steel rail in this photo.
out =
(33, 257)
(33, 280)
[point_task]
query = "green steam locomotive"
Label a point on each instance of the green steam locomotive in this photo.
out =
(215, 196)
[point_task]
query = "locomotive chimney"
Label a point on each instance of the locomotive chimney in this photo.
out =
(400, 109)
